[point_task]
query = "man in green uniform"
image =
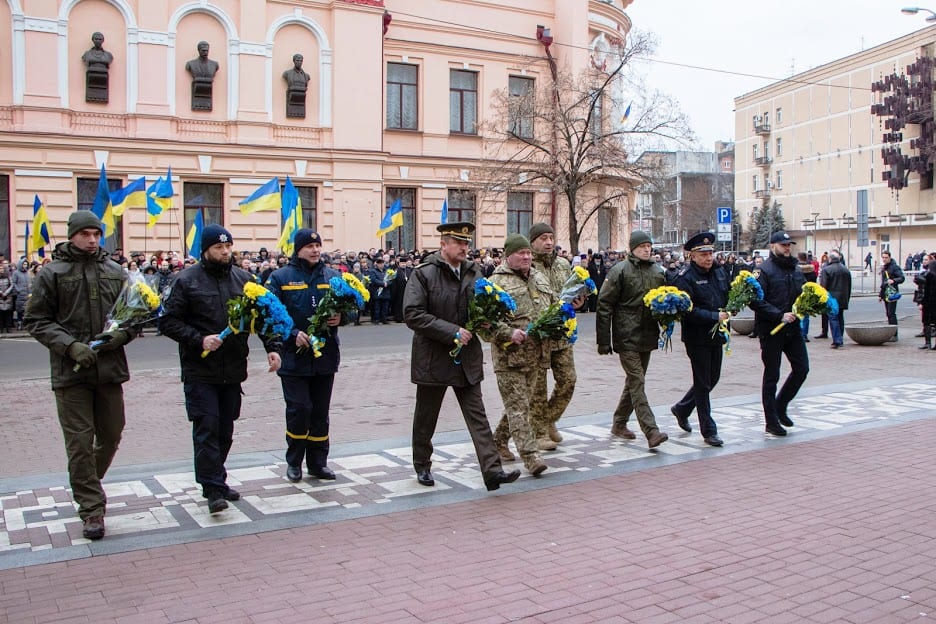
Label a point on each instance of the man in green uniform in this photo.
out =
(68, 308)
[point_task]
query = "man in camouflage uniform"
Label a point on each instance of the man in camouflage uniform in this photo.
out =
(519, 361)
(561, 359)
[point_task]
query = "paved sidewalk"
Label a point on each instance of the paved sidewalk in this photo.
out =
(832, 524)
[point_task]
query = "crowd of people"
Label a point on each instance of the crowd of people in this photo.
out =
(68, 299)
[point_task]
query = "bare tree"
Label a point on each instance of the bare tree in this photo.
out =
(573, 135)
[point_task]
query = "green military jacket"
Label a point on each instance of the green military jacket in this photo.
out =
(557, 270)
(623, 321)
(532, 295)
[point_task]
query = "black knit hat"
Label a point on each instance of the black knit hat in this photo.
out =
(306, 236)
(214, 234)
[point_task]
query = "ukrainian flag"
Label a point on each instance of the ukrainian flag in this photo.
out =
(193, 240)
(392, 220)
(41, 229)
(159, 198)
(267, 197)
(102, 205)
(29, 243)
(291, 214)
(131, 196)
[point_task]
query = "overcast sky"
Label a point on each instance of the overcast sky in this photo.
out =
(767, 37)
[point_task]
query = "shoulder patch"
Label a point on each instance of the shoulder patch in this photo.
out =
(683, 270)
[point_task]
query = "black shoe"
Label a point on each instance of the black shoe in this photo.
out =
(806, 338)
(682, 420)
(920, 335)
(425, 478)
(232, 495)
(216, 502)
(785, 420)
(713, 441)
(836, 346)
(323, 472)
(776, 430)
(821, 336)
(294, 473)
(495, 482)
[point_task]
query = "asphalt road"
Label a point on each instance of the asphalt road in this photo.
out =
(23, 358)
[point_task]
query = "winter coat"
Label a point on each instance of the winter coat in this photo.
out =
(782, 282)
(533, 295)
(891, 270)
(557, 270)
(624, 323)
(71, 297)
(836, 278)
(7, 294)
(709, 293)
(435, 306)
(301, 286)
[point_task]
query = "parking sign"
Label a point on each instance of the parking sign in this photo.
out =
(724, 215)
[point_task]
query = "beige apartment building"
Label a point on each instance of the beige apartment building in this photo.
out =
(812, 145)
(394, 100)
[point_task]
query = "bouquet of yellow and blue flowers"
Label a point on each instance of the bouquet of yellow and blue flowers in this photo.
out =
(667, 304)
(744, 289)
(557, 322)
(256, 311)
(136, 304)
(490, 305)
(578, 283)
(813, 300)
(345, 294)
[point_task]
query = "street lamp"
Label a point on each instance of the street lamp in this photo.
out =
(815, 216)
(914, 10)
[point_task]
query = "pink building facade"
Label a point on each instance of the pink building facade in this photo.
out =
(397, 92)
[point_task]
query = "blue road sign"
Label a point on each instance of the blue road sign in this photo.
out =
(724, 215)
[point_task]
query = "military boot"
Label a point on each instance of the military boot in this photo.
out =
(927, 337)
(501, 438)
(533, 463)
(541, 435)
(554, 434)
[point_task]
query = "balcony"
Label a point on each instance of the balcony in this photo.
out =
(763, 161)
(762, 193)
(761, 128)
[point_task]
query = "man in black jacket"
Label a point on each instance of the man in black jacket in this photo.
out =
(435, 306)
(195, 315)
(891, 278)
(707, 286)
(836, 278)
(782, 282)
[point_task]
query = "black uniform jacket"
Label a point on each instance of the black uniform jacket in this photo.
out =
(782, 282)
(709, 293)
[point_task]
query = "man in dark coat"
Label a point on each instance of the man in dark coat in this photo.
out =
(70, 300)
(891, 278)
(836, 278)
(707, 286)
(307, 380)
(195, 315)
(782, 281)
(435, 306)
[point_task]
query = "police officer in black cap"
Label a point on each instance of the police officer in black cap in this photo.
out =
(782, 281)
(707, 285)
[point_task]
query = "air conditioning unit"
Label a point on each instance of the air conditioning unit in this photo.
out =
(769, 185)
(759, 119)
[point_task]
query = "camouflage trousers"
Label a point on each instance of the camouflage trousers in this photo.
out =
(562, 363)
(520, 403)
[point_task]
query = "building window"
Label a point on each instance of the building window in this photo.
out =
(779, 179)
(726, 164)
(766, 149)
(604, 227)
(87, 191)
(595, 124)
(779, 149)
(463, 101)
(519, 212)
(307, 199)
(766, 118)
(208, 199)
(402, 100)
(754, 182)
(404, 237)
(521, 106)
(5, 218)
(767, 181)
(755, 151)
(779, 116)
(461, 206)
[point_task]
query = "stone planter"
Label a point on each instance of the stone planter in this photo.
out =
(870, 335)
(743, 326)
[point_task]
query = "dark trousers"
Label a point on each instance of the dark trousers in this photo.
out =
(212, 410)
(92, 420)
(381, 310)
(426, 415)
(307, 402)
(837, 327)
(890, 308)
(706, 362)
(825, 325)
(788, 342)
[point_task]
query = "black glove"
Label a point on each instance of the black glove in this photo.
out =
(82, 354)
(604, 349)
(112, 340)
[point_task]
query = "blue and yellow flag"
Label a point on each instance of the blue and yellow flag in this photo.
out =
(159, 198)
(392, 220)
(29, 243)
(267, 197)
(291, 213)
(444, 211)
(102, 205)
(131, 196)
(193, 240)
(626, 113)
(41, 229)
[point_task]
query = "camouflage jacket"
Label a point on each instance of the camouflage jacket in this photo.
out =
(532, 295)
(557, 271)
